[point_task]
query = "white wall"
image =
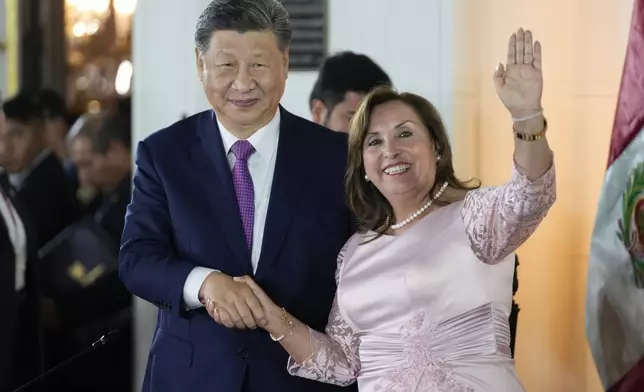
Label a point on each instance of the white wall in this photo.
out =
(166, 83)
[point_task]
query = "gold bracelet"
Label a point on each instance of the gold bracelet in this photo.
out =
(285, 320)
(531, 137)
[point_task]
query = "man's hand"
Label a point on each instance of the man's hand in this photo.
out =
(229, 303)
(274, 322)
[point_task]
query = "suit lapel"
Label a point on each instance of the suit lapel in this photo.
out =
(288, 180)
(209, 156)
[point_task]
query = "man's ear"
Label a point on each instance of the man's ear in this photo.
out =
(318, 112)
(287, 61)
(200, 64)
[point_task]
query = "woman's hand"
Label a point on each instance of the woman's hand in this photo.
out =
(520, 83)
(273, 313)
(291, 333)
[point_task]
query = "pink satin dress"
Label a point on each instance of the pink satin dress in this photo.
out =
(427, 310)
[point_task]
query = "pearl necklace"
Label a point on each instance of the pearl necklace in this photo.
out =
(422, 209)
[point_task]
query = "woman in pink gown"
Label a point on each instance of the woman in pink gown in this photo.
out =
(425, 286)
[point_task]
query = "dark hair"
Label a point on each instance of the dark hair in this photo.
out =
(52, 104)
(22, 108)
(243, 16)
(102, 129)
(344, 72)
(370, 207)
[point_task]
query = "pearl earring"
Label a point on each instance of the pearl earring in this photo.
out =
(366, 178)
(438, 158)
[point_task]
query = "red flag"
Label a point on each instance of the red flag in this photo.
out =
(615, 293)
(629, 118)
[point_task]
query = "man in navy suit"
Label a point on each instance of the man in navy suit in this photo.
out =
(244, 188)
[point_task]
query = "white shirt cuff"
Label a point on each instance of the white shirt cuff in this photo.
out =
(192, 286)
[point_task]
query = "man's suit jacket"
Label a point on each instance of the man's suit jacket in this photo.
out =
(51, 199)
(184, 214)
(20, 344)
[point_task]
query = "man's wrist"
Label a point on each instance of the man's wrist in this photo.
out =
(200, 295)
(193, 286)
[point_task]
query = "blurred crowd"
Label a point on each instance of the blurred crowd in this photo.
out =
(65, 186)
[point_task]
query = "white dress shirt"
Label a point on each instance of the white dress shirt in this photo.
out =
(262, 168)
(17, 236)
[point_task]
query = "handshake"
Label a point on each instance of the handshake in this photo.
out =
(237, 302)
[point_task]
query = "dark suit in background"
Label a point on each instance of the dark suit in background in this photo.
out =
(50, 197)
(86, 313)
(20, 343)
(110, 214)
(90, 301)
(184, 214)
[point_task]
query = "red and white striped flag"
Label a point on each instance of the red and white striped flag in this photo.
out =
(615, 293)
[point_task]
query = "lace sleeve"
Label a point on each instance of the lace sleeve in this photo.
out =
(334, 358)
(499, 219)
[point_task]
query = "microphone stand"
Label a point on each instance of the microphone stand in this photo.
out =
(103, 341)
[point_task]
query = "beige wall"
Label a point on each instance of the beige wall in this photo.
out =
(584, 44)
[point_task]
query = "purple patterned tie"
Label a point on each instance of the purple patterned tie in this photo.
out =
(244, 187)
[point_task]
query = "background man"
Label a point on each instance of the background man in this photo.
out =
(100, 149)
(343, 80)
(34, 171)
(20, 343)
